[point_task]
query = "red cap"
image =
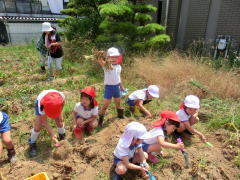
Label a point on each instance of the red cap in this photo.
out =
(164, 115)
(53, 104)
(91, 92)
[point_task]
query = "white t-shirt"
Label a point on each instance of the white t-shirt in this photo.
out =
(42, 94)
(84, 113)
(112, 77)
(154, 133)
(138, 95)
(120, 151)
(182, 116)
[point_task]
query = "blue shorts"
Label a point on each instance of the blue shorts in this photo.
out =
(130, 102)
(145, 147)
(111, 91)
(117, 160)
(4, 126)
(37, 113)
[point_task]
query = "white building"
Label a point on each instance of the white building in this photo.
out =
(20, 20)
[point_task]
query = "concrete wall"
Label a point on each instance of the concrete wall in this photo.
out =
(21, 33)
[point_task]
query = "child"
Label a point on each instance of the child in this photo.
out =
(129, 150)
(112, 81)
(188, 115)
(140, 97)
(42, 50)
(50, 104)
(6, 137)
(166, 125)
(52, 42)
(85, 112)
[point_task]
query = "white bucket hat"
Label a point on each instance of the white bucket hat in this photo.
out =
(113, 52)
(153, 91)
(133, 129)
(192, 101)
(46, 27)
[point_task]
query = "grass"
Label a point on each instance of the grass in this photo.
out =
(21, 81)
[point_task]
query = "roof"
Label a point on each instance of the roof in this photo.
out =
(29, 19)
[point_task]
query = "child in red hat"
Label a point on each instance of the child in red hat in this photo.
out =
(50, 104)
(85, 113)
(6, 137)
(166, 125)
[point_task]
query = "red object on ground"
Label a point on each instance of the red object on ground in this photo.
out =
(78, 133)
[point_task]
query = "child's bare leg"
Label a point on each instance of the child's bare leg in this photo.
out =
(1, 148)
(6, 139)
(155, 148)
(194, 119)
(137, 158)
(117, 103)
(37, 127)
(61, 129)
(181, 127)
(92, 125)
(121, 168)
(106, 102)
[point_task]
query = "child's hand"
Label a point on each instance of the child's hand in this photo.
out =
(149, 116)
(81, 124)
(180, 145)
(55, 140)
(203, 138)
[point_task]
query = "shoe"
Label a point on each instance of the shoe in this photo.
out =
(61, 137)
(43, 68)
(100, 121)
(12, 155)
(120, 113)
(152, 158)
(32, 150)
(50, 78)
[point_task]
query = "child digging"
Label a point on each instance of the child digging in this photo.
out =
(188, 115)
(85, 113)
(6, 137)
(112, 81)
(166, 125)
(141, 97)
(50, 104)
(129, 151)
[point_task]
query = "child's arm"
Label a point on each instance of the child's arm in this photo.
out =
(90, 119)
(121, 85)
(194, 131)
(165, 144)
(100, 58)
(50, 131)
(142, 108)
(129, 165)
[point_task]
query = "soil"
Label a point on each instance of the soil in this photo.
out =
(89, 158)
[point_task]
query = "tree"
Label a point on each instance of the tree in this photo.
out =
(83, 19)
(127, 24)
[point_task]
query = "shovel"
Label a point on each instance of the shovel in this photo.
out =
(151, 176)
(185, 154)
(209, 144)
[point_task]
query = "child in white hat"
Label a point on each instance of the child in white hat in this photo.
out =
(140, 97)
(112, 80)
(188, 115)
(129, 150)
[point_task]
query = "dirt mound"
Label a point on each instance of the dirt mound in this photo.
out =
(93, 159)
(62, 152)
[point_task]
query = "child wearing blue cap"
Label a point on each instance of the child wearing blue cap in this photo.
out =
(6, 137)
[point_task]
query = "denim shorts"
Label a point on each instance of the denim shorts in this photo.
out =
(145, 147)
(37, 113)
(111, 91)
(130, 102)
(4, 125)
